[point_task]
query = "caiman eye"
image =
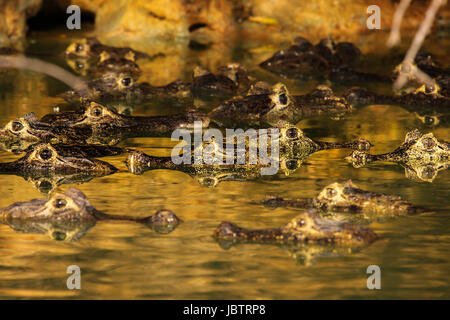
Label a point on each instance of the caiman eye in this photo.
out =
(429, 88)
(428, 120)
(60, 203)
(428, 143)
(291, 165)
(97, 112)
(79, 65)
(59, 236)
(292, 133)
(301, 223)
(46, 154)
(79, 48)
(283, 98)
(209, 182)
(126, 81)
(16, 126)
(331, 192)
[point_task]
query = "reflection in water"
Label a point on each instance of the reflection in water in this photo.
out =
(347, 197)
(422, 155)
(303, 254)
(69, 216)
(125, 260)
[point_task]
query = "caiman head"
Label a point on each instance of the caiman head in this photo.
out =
(425, 148)
(110, 85)
(72, 205)
(45, 157)
(81, 48)
(307, 227)
(294, 144)
(92, 114)
(69, 215)
(348, 197)
(26, 128)
(418, 150)
(80, 66)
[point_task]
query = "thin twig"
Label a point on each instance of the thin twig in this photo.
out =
(394, 37)
(44, 67)
(420, 35)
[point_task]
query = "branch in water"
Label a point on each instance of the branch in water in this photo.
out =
(46, 68)
(394, 37)
(420, 35)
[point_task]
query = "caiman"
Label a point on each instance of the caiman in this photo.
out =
(288, 147)
(105, 121)
(28, 129)
(48, 158)
(69, 216)
(91, 48)
(304, 60)
(105, 63)
(230, 80)
(308, 227)
(274, 106)
(422, 155)
(432, 97)
(348, 197)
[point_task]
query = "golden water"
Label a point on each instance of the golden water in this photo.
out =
(126, 260)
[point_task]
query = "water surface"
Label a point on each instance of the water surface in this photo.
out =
(126, 260)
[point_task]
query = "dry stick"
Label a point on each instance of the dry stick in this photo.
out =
(44, 67)
(420, 35)
(394, 37)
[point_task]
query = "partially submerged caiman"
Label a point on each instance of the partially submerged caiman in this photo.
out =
(105, 121)
(91, 48)
(28, 129)
(308, 227)
(303, 59)
(105, 63)
(47, 166)
(69, 216)
(429, 103)
(93, 124)
(265, 105)
(68, 159)
(287, 148)
(434, 95)
(422, 155)
(334, 61)
(348, 197)
(230, 80)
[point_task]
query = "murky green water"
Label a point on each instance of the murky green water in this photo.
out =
(126, 260)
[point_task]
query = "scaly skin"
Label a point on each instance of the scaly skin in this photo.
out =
(29, 129)
(231, 79)
(102, 120)
(91, 48)
(112, 86)
(47, 158)
(308, 227)
(105, 63)
(69, 215)
(429, 104)
(426, 96)
(122, 85)
(419, 153)
(302, 59)
(294, 148)
(278, 106)
(348, 197)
